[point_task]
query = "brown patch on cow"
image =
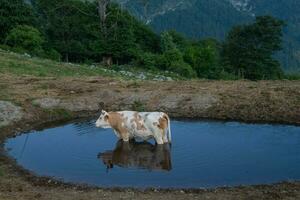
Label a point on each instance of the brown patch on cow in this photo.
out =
(115, 120)
(163, 123)
(138, 121)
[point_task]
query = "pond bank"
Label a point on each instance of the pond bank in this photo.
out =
(42, 101)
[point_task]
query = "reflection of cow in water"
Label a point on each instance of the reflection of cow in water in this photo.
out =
(138, 154)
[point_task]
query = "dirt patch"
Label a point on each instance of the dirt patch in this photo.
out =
(44, 100)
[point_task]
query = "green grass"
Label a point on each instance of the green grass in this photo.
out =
(138, 106)
(4, 93)
(17, 64)
(59, 112)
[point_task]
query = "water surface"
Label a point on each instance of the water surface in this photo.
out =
(204, 154)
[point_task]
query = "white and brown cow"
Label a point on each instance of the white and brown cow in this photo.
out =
(142, 125)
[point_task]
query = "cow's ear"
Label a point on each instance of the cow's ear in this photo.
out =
(106, 117)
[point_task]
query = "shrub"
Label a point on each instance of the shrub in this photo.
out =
(52, 54)
(138, 106)
(25, 37)
(182, 69)
(147, 60)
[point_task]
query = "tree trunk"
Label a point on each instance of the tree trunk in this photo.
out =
(102, 11)
(107, 60)
(67, 57)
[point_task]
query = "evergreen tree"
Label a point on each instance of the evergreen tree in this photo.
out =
(69, 26)
(13, 13)
(248, 50)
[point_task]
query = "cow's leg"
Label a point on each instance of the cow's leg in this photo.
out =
(157, 134)
(158, 139)
(123, 133)
(165, 136)
(125, 136)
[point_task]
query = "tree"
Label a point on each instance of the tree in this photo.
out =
(248, 50)
(103, 6)
(13, 13)
(204, 57)
(70, 28)
(26, 38)
(167, 42)
(119, 44)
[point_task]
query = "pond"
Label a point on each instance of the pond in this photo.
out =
(204, 154)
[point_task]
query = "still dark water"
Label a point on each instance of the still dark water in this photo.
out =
(204, 154)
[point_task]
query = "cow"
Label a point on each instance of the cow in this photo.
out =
(141, 125)
(141, 155)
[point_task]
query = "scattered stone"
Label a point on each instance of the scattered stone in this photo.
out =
(47, 103)
(141, 76)
(9, 113)
(27, 55)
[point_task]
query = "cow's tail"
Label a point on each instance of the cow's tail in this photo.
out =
(169, 129)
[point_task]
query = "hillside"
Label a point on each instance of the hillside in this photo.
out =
(23, 64)
(214, 18)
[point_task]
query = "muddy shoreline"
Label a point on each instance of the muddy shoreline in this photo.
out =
(65, 100)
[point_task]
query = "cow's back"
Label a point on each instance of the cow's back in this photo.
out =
(141, 124)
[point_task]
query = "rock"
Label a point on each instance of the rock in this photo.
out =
(9, 113)
(27, 55)
(47, 103)
(141, 76)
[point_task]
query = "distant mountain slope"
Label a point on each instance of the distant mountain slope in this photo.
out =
(214, 18)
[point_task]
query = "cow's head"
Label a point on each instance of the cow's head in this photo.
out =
(103, 121)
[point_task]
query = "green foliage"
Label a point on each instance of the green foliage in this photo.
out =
(25, 37)
(12, 14)
(120, 43)
(178, 39)
(204, 57)
(292, 76)
(145, 38)
(147, 60)
(138, 106)
(167, 42)
(182, 69)
(248, 50)
(172, 60)
(52, 54)
(71, 30)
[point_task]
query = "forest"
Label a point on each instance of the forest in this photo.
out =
(103, 32)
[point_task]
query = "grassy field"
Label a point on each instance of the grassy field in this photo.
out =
(24, 65)
(18, 64)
